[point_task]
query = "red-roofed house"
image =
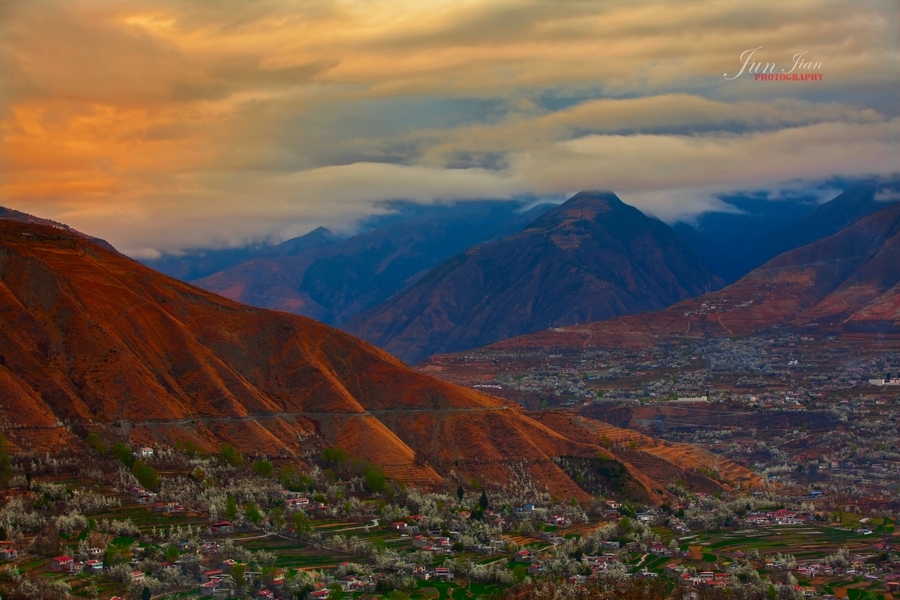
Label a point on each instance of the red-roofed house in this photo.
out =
(62, 564)
(7, 550)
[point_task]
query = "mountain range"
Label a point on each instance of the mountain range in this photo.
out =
(421, 279)
(93, 341)
(758, 228)
(846, 283)
(591, 258)
(331, 279)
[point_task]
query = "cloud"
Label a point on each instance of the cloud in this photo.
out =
(887, 194)
(176, 124)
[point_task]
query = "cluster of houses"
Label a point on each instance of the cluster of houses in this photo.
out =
(705, 579)
(68, 564)
(294, 501)
(436, 545)
(215, 579)
(678, 526)
(141, 495)
(218, 583)
(781, 516)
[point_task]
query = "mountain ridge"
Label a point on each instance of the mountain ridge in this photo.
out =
(333, 282)
(848, 282)
(592, 257)
(93, 341)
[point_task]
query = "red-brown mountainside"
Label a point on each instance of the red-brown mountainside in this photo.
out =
(92, 340)
(846, 283)
(15, 215)
(590, 258)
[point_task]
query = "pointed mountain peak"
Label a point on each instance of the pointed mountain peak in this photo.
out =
(322, 232)
(593, 209)
(594, 196)
(598, 200)
(590, 258)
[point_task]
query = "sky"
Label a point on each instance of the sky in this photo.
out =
(169, 125)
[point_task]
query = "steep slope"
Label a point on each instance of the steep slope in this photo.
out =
(90, 340)
(333, 282)
(590, 258)
(829, 218)
(848, 282)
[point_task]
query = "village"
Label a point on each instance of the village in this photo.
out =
(815, 412)
(179, 523)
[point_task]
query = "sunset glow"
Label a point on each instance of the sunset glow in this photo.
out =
(170, 125)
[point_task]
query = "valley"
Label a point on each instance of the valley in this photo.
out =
(161, 439)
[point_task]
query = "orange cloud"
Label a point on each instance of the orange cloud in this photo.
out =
(164, 125)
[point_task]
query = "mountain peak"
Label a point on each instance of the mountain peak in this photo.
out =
(593, 195)
(600, 200)
(591, 258)
(590, 210)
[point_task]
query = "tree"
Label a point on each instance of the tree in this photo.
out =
(483, 501)
(172, 554)
(230, 455)
(673, 546)
(375, 479)
(263, 468)
(237, 574)
(114, 555)
(5, 461)
(336, 456)
(145, 474)
(267, 575)
(460, 493)
(302, 523)
(519, 573)
(252, 513)
(276, 518)
(122, 453)
(145, 593)
(93, 440)
(231, 510)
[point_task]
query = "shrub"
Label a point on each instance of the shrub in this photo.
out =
(93, 440)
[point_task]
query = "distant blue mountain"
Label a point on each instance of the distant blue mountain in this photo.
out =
(196, 264)
(333, 279)
(734, 243)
